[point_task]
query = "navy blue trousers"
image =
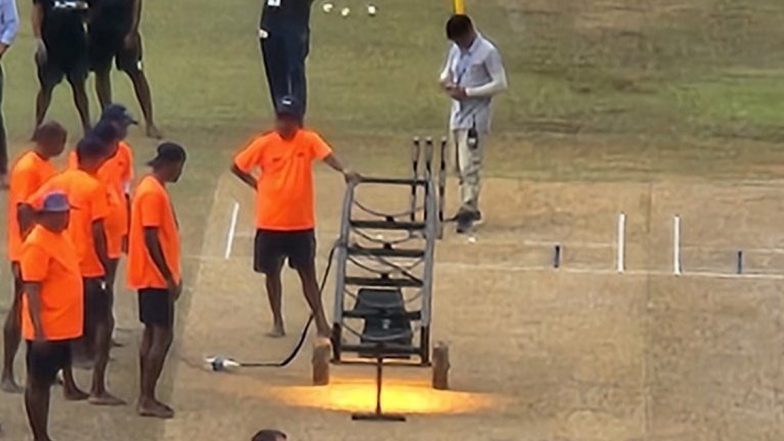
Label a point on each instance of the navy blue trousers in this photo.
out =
(284, 53)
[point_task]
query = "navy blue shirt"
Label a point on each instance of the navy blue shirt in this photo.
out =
(111, 16)
(286, 15)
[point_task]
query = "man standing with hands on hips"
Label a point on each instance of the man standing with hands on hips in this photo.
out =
(284, 33)
(472, 75)
(9, 26)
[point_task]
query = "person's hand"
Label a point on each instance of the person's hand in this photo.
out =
(171, 287)
(40, 52)
(3, 49)
(130, 40)
(40, 337)
(457, 92)
(351, 176)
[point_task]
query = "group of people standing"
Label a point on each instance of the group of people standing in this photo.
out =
(73, 38)
(67, 232)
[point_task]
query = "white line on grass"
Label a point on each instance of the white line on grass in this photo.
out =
(232, 228)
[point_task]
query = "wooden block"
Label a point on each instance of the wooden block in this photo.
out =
(322, 351)
(441, 366)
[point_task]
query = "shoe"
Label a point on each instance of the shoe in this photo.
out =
(478, 218)
(464, 224)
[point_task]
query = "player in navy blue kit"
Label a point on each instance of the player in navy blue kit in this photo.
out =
(58, 27)
(285, 42)
(114, 36)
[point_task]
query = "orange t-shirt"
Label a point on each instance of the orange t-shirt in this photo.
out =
(88, 197)
(284, 199)
(27, 175)
(50, 259)
(151, 207)
(116, 174)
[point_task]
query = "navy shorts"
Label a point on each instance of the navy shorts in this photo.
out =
(272, 248)
(156, 307)
(45, 359)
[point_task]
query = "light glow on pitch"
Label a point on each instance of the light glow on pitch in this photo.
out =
(408, 397)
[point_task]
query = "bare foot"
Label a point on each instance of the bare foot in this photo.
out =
(73, 393)
(105, 399)
(9, 386)
(164, 405)
(154, 409)
(277, 331)
(153, 132)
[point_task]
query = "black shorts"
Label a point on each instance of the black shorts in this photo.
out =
(46, 359)
(156, 307)
(97, 303)
(64, 61)
(271, 248)
(105, 46)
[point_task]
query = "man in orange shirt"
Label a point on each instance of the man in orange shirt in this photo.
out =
(285, 218)
(154, 270)
(31, 170)
(52, 308)
(87, 231)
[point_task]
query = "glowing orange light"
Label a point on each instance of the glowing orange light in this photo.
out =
(397, 397)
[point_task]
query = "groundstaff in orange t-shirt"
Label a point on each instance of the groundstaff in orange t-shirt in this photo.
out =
(29, 172)
(86, 230)
(52, 307)
(285, 220)
(154, 270)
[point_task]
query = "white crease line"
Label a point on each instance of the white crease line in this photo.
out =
(232, 229)
(594, 271)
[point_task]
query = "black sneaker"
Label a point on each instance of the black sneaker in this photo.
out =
(465, 223)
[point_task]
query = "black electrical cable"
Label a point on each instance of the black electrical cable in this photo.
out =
(304, 335)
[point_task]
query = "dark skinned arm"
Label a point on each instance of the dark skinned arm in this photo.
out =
(154, 248)
(244, 177)
(25, 216)
(99, 241)
(335, 163)
(33, 291)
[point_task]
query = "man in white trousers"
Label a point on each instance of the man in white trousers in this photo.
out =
(472, 75)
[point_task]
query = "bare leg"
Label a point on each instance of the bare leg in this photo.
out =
(103, 87)
(143, 94)
(42, 102)
(82, 104)
(310, 287)
(275, 295)
(12, 336)
(153, 367)
(37, 397)
(71, 391)
(103, 340)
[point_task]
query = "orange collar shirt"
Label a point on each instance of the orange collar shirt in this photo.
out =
(27, 176)
(50, 259)
(284, 196)
(151, 207)
(90, 203)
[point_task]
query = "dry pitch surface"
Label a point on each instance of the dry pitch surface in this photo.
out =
(579, 354)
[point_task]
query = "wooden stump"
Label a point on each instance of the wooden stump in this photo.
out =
(441, 366)
(322, 350)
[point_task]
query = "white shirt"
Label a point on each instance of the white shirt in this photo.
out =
(480, 71)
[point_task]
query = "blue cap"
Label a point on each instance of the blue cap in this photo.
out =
(106, 131)
(118, 113)
(289, 105)
(55, 202)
